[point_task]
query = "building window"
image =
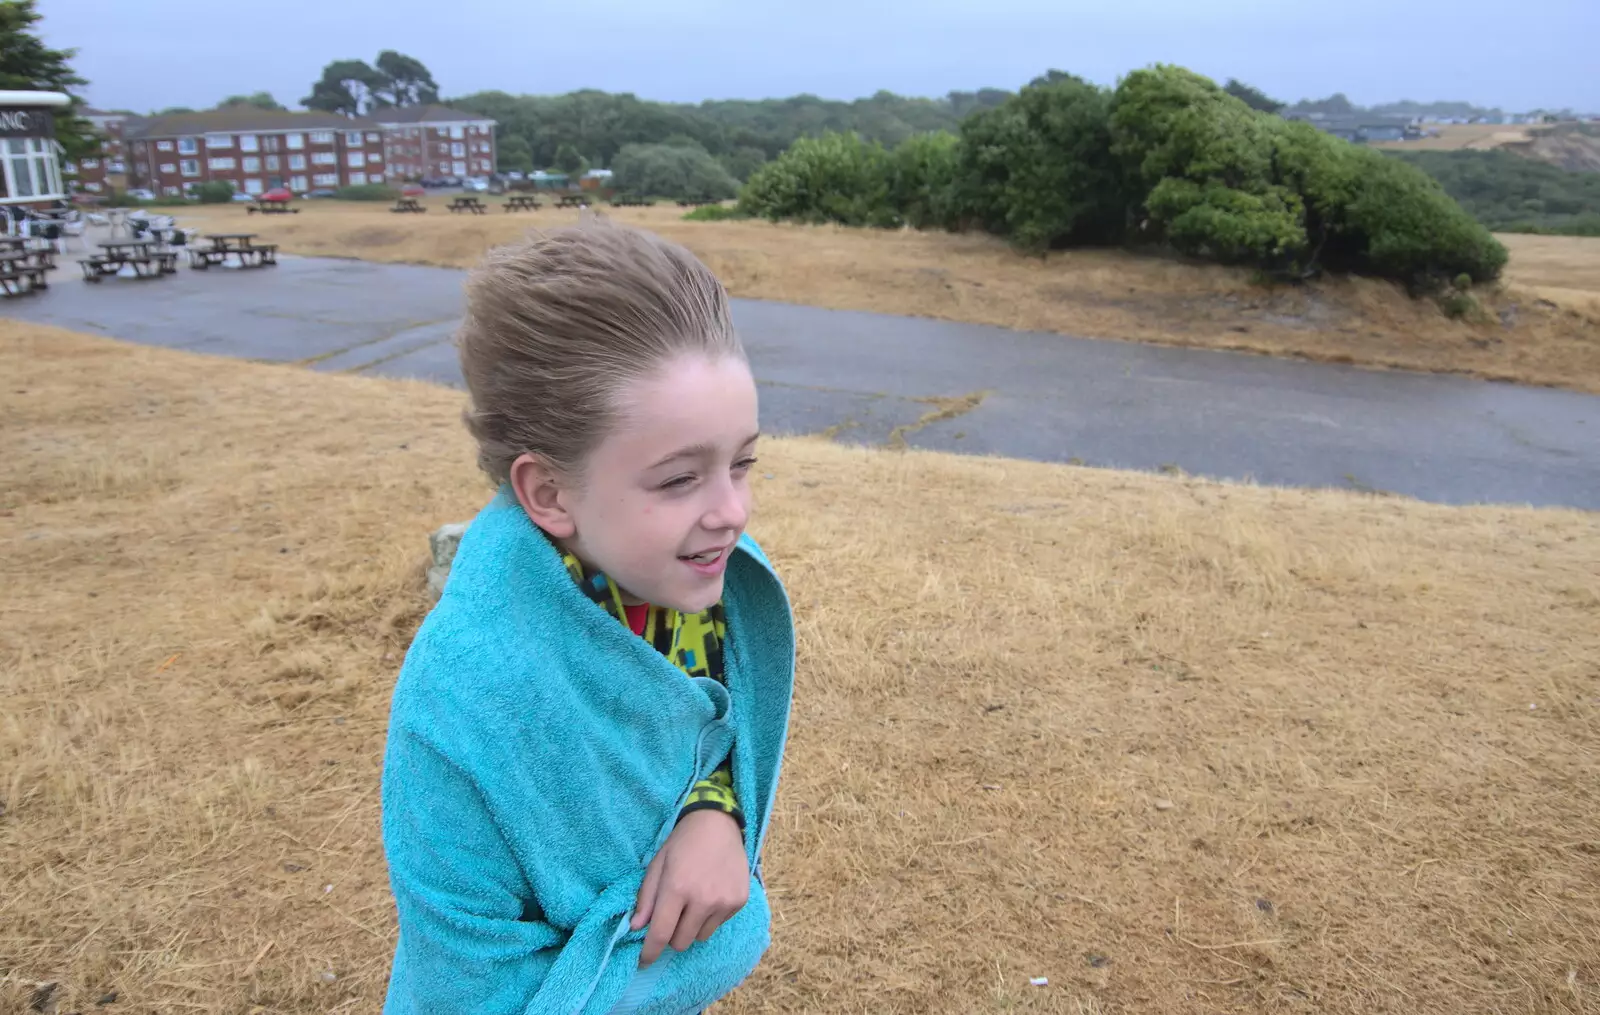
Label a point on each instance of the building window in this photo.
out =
(412, 132)
(375, 178)
(172, 191)
(372, 137)
(272, 163)
(295, 142)
(457, 150)
(31, 169)
(116, 166)
(247, 143)
(138, 149)
(374, 157)
(93, 188)
(269, 143)
(297, 183)
(70, 168)
(219, 141)
(251, 165)
(252, 186)
(326, 179)
(297, 162)
(358, 179)
(456, 133)
(459, 169)
(191, 167)
(188, 146)
(324, 159)
(355, 160)
(169, 167)
(163, 146)
(352, 138)
(444, 149)
(322, 137)
(219, 165)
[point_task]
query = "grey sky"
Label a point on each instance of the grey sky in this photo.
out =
(154, 53)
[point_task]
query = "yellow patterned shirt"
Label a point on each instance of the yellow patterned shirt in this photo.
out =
(693, 643)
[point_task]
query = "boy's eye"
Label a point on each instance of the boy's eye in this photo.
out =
(677, 482)
(744, 464)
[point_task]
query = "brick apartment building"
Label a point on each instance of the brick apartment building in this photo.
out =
(422, 142)
(108, 169)
(253, 149)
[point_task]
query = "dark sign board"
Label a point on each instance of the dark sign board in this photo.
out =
(26, 122)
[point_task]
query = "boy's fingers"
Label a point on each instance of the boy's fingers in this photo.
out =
(710, 927)
(646, 903)
(689, 925)
(663, 924)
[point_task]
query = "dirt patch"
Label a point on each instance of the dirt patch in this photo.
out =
(1177, 746)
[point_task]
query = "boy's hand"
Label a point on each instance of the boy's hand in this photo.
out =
(698, 880)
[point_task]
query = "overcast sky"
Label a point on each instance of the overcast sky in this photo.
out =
(147, 54)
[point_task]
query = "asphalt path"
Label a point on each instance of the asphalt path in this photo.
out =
(877, 379)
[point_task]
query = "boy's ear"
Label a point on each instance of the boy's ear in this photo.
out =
(539, 490)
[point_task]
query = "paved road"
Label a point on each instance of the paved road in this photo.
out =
(873, 378)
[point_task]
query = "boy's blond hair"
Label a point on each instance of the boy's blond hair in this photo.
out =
(558, 323)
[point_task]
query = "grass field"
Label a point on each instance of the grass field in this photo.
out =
(1178, 746)
(1096, 293)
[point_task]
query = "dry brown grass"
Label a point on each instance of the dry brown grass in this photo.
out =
(1098, 293)
(1472, 136)
(1179, 746)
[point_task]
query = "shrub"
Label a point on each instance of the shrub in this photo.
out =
(832, 178)
(1038, 168)
(213, 192)
(924, 171)
(715, 213)
(367, 192)
(676, 171)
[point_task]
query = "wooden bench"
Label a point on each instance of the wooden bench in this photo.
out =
(257, 255)
(631, 202)
(152, 265)
(471, 204)
(574, 201)
(272, 208)
(408, 204)
(522, 203)
(22, 279)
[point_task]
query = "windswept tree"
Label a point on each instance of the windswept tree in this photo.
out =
(347, 87)
(405, 80)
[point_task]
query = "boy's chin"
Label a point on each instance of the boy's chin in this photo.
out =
(695, 600)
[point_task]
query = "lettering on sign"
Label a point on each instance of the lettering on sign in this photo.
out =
(26, 123)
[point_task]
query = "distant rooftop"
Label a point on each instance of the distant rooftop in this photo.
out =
(219, 121)
(426, 114)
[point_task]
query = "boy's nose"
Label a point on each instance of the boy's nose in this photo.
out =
(731, 509)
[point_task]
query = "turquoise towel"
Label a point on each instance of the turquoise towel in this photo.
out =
(538, 754)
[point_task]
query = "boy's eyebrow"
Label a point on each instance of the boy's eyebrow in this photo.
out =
(697, 450)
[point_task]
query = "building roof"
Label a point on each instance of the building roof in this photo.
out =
(433, 113)
(219, 121)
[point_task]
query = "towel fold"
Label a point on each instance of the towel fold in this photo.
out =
(538, 755)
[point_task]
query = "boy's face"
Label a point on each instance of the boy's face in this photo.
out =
(665, 496)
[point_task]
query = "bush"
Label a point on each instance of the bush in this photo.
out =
(924, 173)
(715, 213)
(832, 178)
(1039, 168)
(367, 192)
(213, 192)
(679, 172)
(1230, 183)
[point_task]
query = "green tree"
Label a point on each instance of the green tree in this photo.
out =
(172, 111)
(255, 100)
(1252, 97)
(671, 171)
(213, 192)
(514, 155)
(568, 161)
(924, 171)
(347, 87)
(1039, 168)
(27, 64)
(742, 162)
(404, 80)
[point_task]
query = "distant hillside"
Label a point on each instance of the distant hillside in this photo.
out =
(1512, 194)
(1572, 146)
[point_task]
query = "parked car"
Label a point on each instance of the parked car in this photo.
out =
(433, 181)
(142, 195)
(513, 175)
(475, 183)
(320, 192)
(243, 198)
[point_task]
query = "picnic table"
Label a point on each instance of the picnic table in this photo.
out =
(408, 204)
(241, 246)
(141, 255)
(522, 202)
(621, 201)
(572, 201)
(272, 208)
(23, 271)
(471, 204)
